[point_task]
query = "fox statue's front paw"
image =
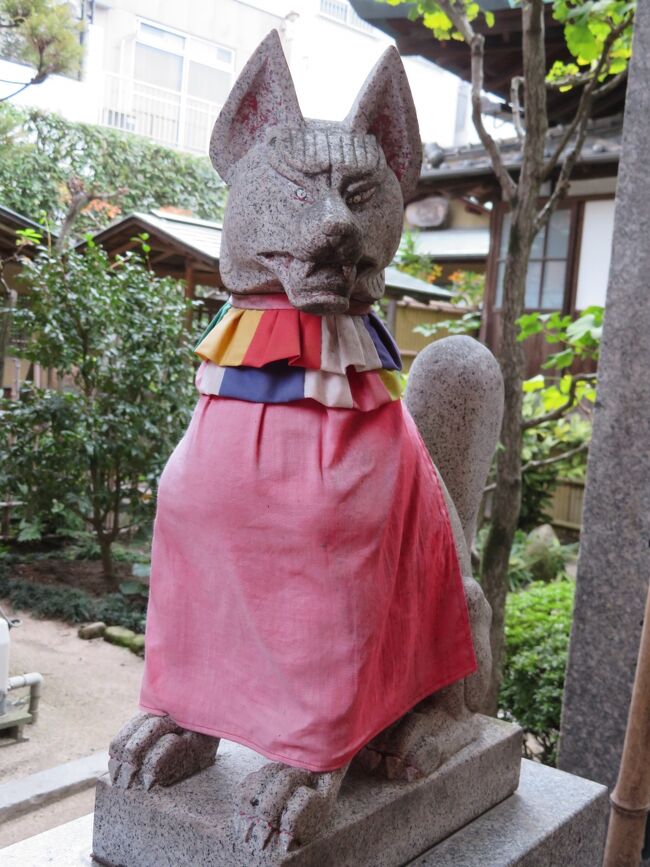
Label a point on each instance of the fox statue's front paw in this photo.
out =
(153, 750)
(281, 808)
(422, 740)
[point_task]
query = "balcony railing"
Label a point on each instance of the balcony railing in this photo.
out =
(166, 116)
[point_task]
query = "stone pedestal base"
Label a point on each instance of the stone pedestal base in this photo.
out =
(552, 820)
(376, 823)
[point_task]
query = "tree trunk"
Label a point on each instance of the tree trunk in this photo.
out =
(506, 504)
(507, 496)
(107, 561)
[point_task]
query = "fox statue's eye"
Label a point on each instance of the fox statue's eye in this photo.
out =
(359, 197)
(301, 194)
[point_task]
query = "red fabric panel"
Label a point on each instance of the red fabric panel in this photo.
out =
(305, 590)
(310, 341)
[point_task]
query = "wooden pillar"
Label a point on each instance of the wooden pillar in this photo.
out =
(190, 286)
(391, 315)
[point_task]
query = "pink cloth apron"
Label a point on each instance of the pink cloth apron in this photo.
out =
(305, 590)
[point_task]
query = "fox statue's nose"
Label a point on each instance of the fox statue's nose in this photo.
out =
(343, 236)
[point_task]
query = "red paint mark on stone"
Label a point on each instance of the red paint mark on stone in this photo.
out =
(391, 136)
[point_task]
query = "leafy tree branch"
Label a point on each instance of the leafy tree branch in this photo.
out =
(41, 34)
(598, 37)
(460, 13)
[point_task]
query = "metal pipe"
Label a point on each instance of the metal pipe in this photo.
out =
(630, 800)
(34, 681)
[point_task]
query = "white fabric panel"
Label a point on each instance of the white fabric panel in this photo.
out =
(208, 377)
(346, 343)
(330, 389)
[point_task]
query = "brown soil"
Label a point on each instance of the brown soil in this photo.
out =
(82, 574)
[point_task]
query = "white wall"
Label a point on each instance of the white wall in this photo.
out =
(595, 253)
(329, 60)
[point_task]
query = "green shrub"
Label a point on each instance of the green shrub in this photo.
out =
(543, 443)
(523, 561)
(88, 455)
(72, 605)
(41, 151)
(538, 624)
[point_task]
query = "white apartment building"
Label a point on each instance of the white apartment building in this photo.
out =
(163, 68)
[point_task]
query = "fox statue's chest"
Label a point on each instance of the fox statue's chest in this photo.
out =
(277, 354)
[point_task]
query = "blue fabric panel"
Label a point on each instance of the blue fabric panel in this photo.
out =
(384, 344)
(273, 383)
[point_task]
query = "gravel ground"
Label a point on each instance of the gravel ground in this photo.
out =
(89, 689)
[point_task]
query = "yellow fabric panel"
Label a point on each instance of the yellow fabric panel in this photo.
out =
(393, 383)
(228, 341)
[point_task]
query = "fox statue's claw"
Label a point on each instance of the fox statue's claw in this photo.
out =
(419, 743)
(281, 808)
(153, 750)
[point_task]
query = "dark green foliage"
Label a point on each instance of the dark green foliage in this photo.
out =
(548, 442)
(537, 488)
(41, 152)
(524, 560)
(88, 456)
(538, 624)
(72, 605)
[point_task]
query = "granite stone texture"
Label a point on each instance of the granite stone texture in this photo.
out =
(552, 820)
(375, 823)
(315, 208)
(455, 395)
(614, 564)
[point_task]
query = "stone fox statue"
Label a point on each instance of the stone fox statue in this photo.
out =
(311, 594)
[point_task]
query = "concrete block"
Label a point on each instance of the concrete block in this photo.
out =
(553, 820)
(21, 796)
(13, 722)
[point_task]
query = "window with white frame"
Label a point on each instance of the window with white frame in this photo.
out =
(179, 84)
(181, 63)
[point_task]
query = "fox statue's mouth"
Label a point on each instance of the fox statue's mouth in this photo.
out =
(318, 285)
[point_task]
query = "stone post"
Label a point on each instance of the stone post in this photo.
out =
(614, 565)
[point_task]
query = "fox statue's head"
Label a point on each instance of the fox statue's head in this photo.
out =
(315, 208)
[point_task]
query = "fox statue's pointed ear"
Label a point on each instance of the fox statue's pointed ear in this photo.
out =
(263, 96)
(384, 108)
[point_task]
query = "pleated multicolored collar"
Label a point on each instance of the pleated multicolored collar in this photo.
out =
(273, 353)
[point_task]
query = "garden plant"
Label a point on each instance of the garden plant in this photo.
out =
(86, 451)
(598, 36)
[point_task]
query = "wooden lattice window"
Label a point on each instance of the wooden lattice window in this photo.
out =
(548, 268)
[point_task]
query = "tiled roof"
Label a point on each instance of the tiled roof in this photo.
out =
(602, 145)
(204, 236)
(445, 244)
(10, 222)
(396, 279)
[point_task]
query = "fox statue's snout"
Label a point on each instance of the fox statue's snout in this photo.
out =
(315, 208)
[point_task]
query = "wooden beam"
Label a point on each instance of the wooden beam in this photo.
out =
(190, 286)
